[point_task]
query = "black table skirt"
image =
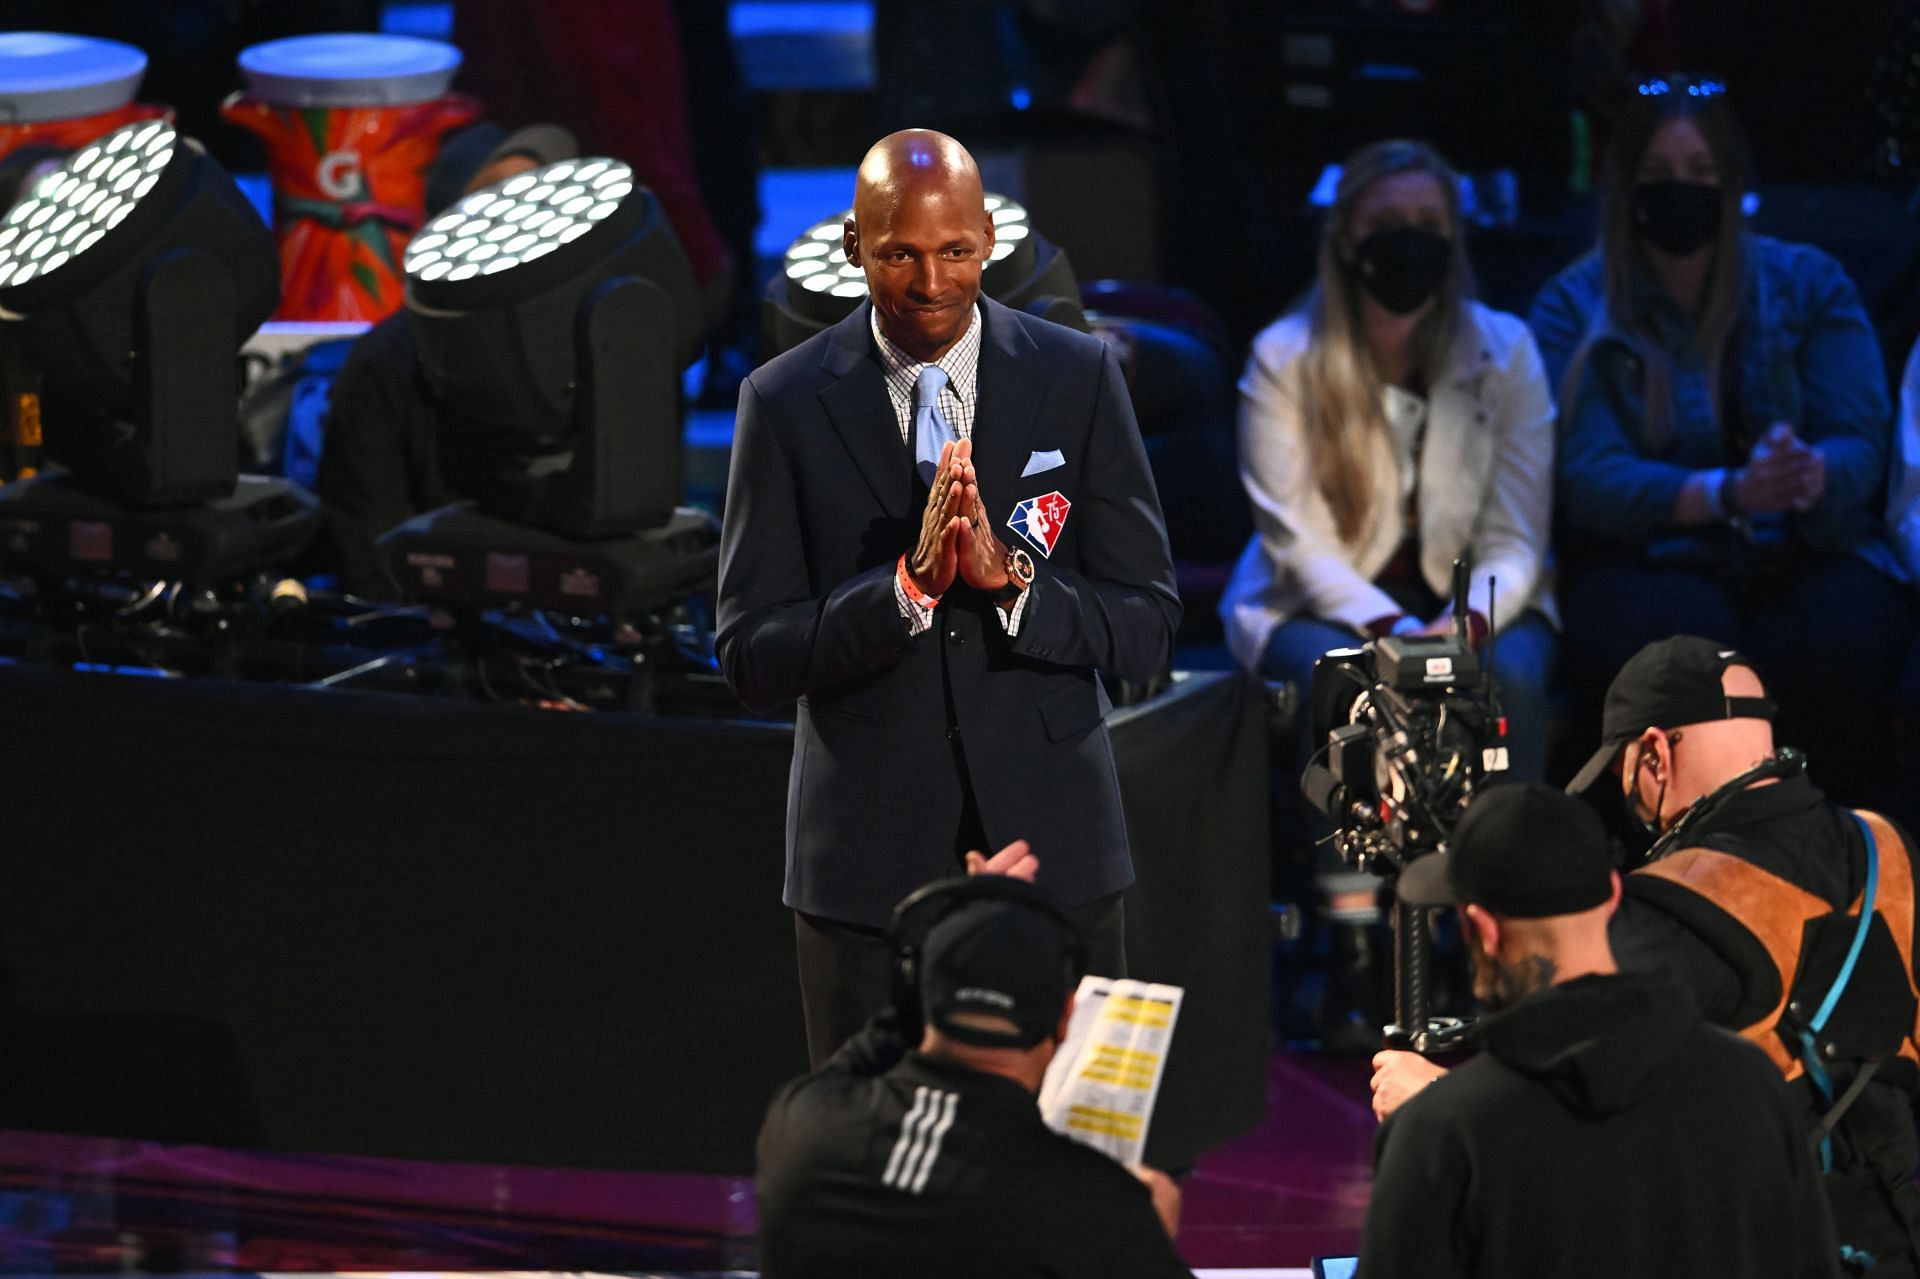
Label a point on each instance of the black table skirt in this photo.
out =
(328, 921)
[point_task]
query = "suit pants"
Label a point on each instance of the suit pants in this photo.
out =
(846, 971)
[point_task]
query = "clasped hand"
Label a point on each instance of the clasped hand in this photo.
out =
(956, 537)
(1015, 861)
(1783, 473)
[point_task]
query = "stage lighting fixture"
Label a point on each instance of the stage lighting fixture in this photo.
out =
(553, 313)
(817, 287)
(134, 272)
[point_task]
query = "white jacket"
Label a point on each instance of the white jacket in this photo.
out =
(1485, 487)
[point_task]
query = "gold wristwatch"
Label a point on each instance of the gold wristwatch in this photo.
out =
(1019, 569)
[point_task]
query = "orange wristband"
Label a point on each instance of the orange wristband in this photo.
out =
(913, 592)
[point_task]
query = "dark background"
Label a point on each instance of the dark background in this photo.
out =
(294, 920)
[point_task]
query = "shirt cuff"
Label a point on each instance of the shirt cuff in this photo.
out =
(915, 609)
(1010, 618)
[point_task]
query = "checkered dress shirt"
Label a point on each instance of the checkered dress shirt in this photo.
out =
(962, 365)
(957, 402)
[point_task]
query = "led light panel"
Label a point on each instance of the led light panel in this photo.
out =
(815, 262)
(518, 221)
(74, 207)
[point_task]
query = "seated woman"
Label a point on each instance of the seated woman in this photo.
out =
(1389, 426)
(1724, 438)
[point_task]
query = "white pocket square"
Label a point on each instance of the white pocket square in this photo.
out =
(1043, 461)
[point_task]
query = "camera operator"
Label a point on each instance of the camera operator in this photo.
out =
(1603, 1129)
(935, 1161)
(1745, 898)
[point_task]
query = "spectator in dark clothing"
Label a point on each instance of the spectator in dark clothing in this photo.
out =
(1111, 84)
(724, 138)
(380, 459)
(1723, 446)
(888, 1162)
(379, 452)
(1747, 890)
(1785, 56)
(1604, 1129)
(610, 71)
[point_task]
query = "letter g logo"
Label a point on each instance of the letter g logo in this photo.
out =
(338, 174)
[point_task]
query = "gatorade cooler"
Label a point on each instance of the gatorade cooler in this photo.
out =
(351, 123)
(64, 91)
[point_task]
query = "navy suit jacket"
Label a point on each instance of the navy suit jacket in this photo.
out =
(822, 500)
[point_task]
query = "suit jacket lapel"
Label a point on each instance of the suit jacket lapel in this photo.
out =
(862, 414)
(1012, 401)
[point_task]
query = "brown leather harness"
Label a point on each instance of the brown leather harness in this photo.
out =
(1777, 913)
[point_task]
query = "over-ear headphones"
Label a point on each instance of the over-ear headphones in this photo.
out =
(915, 918)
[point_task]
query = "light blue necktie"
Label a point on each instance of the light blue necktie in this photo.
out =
(931, 431)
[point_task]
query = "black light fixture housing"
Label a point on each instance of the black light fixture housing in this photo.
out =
(138, 270)
(817, 287)
(553, 313)
(134, 272)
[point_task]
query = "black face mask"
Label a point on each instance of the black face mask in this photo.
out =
(1646, 826)
(1677, 217)
(1403, 267)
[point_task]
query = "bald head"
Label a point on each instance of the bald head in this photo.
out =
(1665, 771)
(1736, 744)
(921, 232)
(909, 160)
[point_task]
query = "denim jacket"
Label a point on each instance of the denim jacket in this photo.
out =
(1807, 355)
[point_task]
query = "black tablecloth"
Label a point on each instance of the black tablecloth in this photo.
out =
(328, 921)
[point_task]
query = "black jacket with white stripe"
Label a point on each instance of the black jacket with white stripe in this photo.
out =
(885, 1162)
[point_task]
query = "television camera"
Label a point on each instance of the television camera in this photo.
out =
(1409, 728)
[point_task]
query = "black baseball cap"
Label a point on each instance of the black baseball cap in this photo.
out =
(1668, 683)
(1001, 959)
(1523, 850)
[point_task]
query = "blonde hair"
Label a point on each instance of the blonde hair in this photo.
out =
(1342, 387)
(1705, 103)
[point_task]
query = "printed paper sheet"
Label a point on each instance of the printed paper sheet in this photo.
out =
(1102, 1084)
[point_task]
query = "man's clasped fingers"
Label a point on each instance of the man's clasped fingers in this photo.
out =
(1015, 860)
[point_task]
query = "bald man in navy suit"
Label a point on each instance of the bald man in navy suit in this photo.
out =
(940, 531)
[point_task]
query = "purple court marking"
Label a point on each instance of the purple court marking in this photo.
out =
(1294, 1188)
